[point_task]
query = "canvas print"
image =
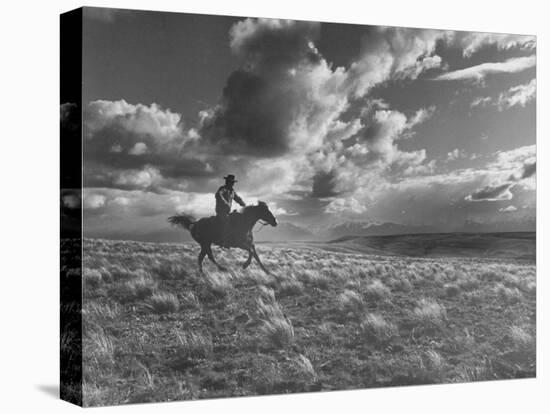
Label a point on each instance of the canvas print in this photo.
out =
(259, 206)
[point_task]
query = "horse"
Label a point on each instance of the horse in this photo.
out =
(207, 231)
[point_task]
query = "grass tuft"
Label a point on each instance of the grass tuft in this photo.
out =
(164, 302)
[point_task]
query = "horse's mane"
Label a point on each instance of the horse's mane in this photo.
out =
(251, 207)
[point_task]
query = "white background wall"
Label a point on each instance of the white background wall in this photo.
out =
(29, 163)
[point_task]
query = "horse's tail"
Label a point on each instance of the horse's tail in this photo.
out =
(182, 220)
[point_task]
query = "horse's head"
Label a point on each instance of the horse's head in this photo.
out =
(265, 214)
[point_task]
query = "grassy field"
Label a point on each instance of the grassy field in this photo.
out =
(155, 330)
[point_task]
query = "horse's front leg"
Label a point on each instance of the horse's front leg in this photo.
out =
(255, 254)
(211, 257)
(247, 263)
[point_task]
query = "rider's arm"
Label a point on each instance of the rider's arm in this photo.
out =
(238, 199)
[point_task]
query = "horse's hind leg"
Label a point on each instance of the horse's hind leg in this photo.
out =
(211, 257)
(201, 258)
(255, 254)
(247, 263)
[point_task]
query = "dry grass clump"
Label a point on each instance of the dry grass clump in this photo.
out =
(190, 300)
(304, 368)
(481, 372)
(92, 277)
(522, 339)
(468, 282)
(259, 277)
(291, 287)
(508, 295)
(276, 327)
(434, 361)
(451, 290)
(95, 310)
(140, 287)
(377, 291)
(430, 313)
(219, 284)
(350, 301)
(168, 270)
(164, 302)
(314, 278)
(192, 345)
(376, 327)
(401, 283)
(99, 347)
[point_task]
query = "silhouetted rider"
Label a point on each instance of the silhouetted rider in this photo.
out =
(224, 198)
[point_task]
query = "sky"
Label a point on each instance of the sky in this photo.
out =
(328, 123)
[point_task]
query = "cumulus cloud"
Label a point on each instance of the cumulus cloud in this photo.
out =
(478, 72)
(472, 42)
(519, 95)
(93, 201)
(162, 125)
(284, 99)
(393, 53)
(481, 101)
(511, 168)
(138, 149)
(139, 145)
(509, 209)
(340, 205)
(456, 154)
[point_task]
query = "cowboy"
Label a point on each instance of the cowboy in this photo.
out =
(224, 197)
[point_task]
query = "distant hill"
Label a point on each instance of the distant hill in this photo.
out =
(360, 228)
(352, 228)
(511, 245)
(283, 232)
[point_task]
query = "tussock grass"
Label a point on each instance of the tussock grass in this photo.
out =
(521, 339)
(169, 270)
(508, 295)
(276, 327)
(140, 287)
(350, 301)
(314, 278)
(468, 282)
(376, 327)
(401, 283)
(377, 291)
(323, 319)
(429, 313)
(219, 284)
(451, 290)
(92, 278)
(190, 300)
(478, 372)
(304, 368)
(164, 302)
(291, 287)
(192, 345)
(100, 347)
(434, 361)
(95, 310)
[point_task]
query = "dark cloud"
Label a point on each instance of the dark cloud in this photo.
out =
(529, 170)
(324, 185)
(492, 193)
(253, 117)
(283, 99)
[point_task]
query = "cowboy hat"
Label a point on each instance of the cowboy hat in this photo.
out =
(230, 177)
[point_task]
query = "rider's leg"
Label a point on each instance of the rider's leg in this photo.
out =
(224, 219)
